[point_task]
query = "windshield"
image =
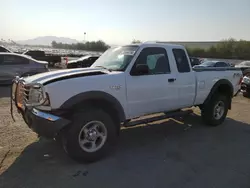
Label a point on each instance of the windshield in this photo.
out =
(208, 63)
(116, 58)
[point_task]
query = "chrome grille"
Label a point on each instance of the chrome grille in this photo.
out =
(14, 87)
(19, 95)
(22, 94)
(26, 90)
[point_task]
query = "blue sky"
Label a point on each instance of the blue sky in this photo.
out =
(120, 21)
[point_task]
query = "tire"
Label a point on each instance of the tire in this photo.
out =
(72, 136)
(208, 110)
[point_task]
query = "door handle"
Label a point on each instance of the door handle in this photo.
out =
(171, 79)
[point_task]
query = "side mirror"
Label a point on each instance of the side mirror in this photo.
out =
(140, 69)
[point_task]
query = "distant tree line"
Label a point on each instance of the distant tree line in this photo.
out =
(98, 46)
(225, 49)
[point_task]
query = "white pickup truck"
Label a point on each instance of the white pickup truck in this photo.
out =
(86, 107)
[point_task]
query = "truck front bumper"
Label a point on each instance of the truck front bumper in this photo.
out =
(43, 123)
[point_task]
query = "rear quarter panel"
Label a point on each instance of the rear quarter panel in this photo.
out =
(207, 79)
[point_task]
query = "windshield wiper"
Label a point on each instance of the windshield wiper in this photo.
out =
(104, 68)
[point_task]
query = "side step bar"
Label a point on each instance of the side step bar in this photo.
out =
(172, 114)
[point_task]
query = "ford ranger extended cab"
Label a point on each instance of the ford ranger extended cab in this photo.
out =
(86, 107)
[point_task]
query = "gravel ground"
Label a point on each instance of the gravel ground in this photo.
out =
(168, 153)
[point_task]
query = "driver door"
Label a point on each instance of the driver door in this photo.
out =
(156, 91)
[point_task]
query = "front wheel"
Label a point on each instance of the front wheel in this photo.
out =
(90, 137)
(215, 112)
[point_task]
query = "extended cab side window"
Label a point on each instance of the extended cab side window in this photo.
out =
(181, 60)
(156, 59)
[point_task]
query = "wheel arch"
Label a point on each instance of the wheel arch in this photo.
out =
(97, 99)
(222, 86)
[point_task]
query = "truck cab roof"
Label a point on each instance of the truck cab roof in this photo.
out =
(157, 44)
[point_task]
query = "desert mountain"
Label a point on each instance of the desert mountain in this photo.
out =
(47, 40)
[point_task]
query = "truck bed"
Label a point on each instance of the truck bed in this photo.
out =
(205, 83)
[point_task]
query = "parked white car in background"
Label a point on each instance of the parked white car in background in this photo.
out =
(245, 67)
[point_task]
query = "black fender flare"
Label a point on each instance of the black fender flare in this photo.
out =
(92, 95)
(215, 89)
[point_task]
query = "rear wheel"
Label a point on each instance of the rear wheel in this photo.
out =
(90, 137)
(215, 111)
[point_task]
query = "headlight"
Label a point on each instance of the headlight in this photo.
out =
(36, 95)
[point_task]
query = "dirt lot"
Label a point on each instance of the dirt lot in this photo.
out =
(166, 154)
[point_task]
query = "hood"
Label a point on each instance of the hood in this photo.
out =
(46, 77)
